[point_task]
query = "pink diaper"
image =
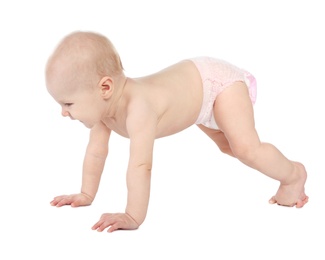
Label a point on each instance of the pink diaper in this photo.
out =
(216, 76)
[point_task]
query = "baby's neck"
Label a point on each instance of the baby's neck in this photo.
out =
(114, 103)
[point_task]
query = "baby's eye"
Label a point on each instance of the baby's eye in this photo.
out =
(68, 104)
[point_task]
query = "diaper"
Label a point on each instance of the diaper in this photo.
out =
(216, 76)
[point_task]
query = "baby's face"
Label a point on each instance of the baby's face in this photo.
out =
(77, 102)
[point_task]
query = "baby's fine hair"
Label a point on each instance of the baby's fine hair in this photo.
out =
(104, 55)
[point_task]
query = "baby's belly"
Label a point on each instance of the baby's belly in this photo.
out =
(173, 124)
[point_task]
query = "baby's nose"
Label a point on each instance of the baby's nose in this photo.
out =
(65, 113)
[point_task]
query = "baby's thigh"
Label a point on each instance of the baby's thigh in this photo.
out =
(234, 114)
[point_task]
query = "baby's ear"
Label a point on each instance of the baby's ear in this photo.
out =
(106, 87)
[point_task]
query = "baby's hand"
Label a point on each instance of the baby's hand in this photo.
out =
(75, 200)
(115, 221)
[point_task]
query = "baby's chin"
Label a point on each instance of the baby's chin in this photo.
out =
(86, 124)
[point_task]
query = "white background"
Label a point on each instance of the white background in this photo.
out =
(203, 204)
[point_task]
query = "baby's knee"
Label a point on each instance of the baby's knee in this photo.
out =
(244, 152)
(226, 150)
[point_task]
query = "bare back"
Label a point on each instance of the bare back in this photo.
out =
(174, 94)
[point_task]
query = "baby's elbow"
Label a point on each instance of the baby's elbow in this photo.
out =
(98, 153)
(145, 166)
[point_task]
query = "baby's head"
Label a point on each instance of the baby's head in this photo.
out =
(82, 58)
(83, 63)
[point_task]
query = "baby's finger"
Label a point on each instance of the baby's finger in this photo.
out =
(76, 203)
(98, 225)
(55, 202)
(94, 227)
(64, 201)
(103, 226)
(57, 199)
(114, 227)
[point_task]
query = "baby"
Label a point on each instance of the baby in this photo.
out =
(85, 76)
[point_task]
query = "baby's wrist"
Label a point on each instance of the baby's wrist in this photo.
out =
(131, 217)
(87, 195)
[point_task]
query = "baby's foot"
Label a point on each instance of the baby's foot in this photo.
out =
(292, 194)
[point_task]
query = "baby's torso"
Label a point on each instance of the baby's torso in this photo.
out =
(174, 94)
(177, 93)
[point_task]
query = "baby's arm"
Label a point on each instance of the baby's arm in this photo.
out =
(95, 158)
(139, 171)
(142, 131)
(93, 166)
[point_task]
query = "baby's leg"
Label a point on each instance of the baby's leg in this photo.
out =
(234, 115)
(219, 138)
